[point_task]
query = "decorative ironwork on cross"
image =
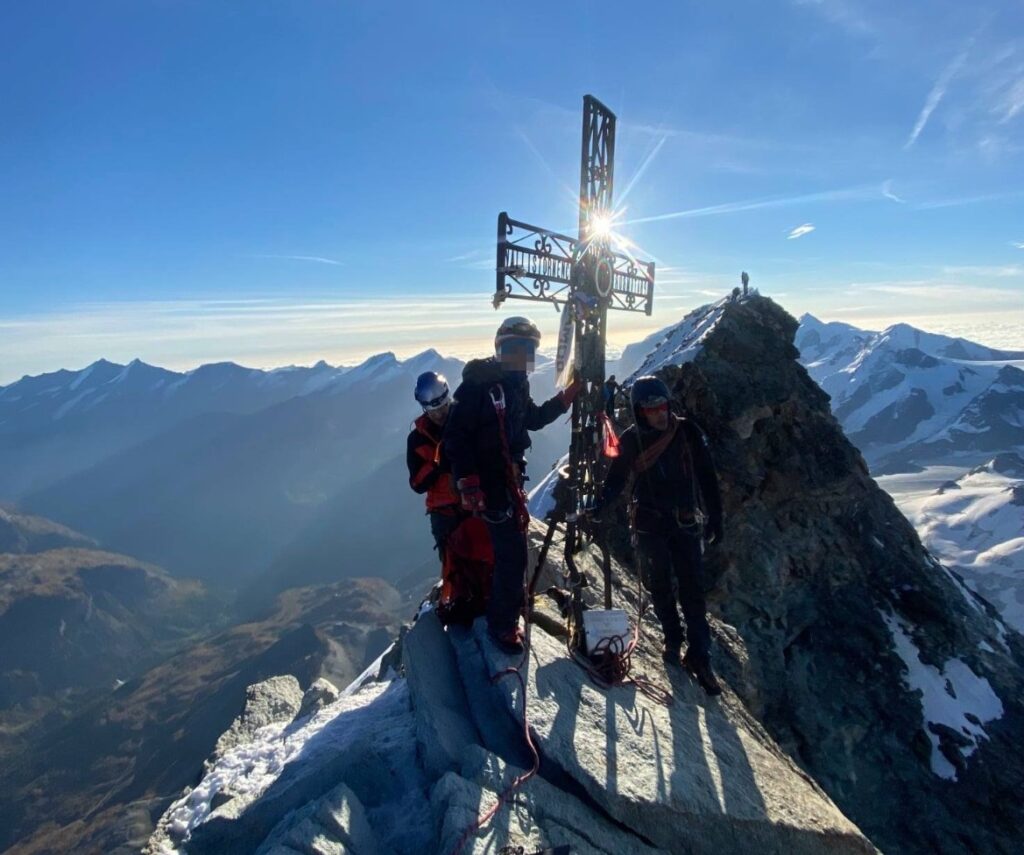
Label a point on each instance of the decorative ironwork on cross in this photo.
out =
(585, 277)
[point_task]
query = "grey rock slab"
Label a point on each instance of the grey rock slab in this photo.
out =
(499, 727)
(687, 777)
(321, 693)
(335, 824)
(369, 748)
(272, 700)
(535, 816)
(444, 728)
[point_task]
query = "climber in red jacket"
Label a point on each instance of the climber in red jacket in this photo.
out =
(428, 470)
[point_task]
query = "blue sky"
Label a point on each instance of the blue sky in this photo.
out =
(282, 182)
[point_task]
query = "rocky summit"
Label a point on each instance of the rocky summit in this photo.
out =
(406, 761)
(872, 701)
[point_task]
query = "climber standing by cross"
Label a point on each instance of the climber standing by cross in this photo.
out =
(584, 277)
(676, 509)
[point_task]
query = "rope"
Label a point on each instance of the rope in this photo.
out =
(520, 511)
(519, 780)
(611, 660)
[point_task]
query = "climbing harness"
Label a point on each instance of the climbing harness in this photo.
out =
(515, 487)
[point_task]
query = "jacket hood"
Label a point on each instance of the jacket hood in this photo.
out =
(482, 371)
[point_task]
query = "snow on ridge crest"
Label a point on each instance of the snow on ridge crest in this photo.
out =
(682, 343)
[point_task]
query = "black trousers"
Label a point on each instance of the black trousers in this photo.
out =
(508, 584)
(670, 563)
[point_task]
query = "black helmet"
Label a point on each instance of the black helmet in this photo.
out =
(648, 391)
(431, 390)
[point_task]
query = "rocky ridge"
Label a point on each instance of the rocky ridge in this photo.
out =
(870, 690)
(406, 762)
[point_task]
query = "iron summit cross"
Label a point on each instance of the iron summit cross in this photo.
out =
(584, 277)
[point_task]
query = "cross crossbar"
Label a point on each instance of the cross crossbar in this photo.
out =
(537, 264)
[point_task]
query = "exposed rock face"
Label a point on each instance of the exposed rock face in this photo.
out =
(818, 574)
(322, 693)
(868, 692)
(275, 699)
(619, 773)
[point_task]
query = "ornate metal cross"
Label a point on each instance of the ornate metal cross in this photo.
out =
(586, 277)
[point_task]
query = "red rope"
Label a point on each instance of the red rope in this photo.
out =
(519, 780)
(614, 660)
(522, 512)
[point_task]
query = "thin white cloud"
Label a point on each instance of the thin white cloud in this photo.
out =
(887, 192)
(800, 231)
(862, 193)
(318, 259)
(937, 93)
(968, 200)
(951, 293)
(1005, 271)
(842, 13)
(1013, 101)
(1017, 244)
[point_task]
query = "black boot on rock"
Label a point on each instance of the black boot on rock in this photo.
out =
(701, 671)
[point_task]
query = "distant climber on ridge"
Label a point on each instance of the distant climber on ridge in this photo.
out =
(673, 475)
(485, 440)
(428, 470)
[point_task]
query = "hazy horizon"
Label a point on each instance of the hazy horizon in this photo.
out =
(1000, 334)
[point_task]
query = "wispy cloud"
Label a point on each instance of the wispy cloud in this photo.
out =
(475, 259)
(952, 293)
(863, 193)
(318, 259)
(1004, 271)
(1013, 101)
(842, 13)
(800, 231)
(968, 200)
(938, 92)
(887, 192)
(1017, 244)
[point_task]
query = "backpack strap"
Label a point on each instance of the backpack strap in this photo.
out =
(520, 510)
(649, 456)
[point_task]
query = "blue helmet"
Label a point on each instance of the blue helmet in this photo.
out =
(648, 391)
(432, 391)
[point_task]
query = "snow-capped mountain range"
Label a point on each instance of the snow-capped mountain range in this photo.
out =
(907, 397)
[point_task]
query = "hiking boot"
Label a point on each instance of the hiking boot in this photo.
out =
(702, 673)
(510, 642)
(670, 654)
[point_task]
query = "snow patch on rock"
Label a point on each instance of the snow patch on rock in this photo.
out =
(954, 698)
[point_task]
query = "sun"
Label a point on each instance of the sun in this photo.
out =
(601, 226)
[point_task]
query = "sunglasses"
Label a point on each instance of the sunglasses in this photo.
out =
(654, 403)
(518, 345)
(435, 403)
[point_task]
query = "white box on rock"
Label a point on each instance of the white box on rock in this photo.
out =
(605, 623)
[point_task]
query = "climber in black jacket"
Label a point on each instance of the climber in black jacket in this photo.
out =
(674, 475)
(485, 440)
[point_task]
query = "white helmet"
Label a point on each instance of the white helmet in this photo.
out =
(432, 390)
(516, 327)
